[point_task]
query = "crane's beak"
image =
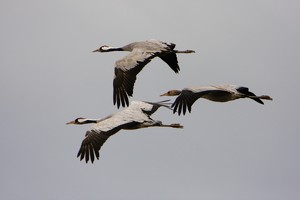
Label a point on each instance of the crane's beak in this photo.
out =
(97, 50)
(71, 122)
(165, 94)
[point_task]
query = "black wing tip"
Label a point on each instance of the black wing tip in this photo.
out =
(259, 101)
(86, 158)
(121, 98)
(180, 106)
(82, 154)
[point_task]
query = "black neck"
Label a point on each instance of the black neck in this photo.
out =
(89, 121)
(116, 49)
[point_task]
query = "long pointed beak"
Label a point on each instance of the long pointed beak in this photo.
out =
(165, 94)
(266, 97)
(97, 50)
(71, 122)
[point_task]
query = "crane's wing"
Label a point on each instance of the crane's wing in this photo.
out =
(167, 54)
(171, 60)
(91, 145)
(185, 101)
(126, 71)
(100, 132)
(245, 91)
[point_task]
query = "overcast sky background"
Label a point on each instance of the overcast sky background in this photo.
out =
(226, 151)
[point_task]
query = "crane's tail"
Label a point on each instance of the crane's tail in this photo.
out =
(164, 103)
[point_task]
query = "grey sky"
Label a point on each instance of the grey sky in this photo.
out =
(238, 150)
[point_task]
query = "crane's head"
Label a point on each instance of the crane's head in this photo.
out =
(103, 48)
(171, 93)
(81, 120)
(266, 97)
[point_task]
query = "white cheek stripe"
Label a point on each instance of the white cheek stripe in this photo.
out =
(107, 48)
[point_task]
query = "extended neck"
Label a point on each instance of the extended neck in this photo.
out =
(80, 121)
(114, 49)
(108, 49)
(88, 121)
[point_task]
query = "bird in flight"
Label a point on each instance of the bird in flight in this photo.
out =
(222, 93)
(141, 53)
(136, 116)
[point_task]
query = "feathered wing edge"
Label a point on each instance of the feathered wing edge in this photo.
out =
(171, 60)
(185, 101)
(91, 145)
(125, 77)
(94, 140)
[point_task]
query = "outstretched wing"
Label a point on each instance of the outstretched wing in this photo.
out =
(167, 54)
(126, 71)
(171, 60)
(185, 101)
(100, 132)
(91, 145)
